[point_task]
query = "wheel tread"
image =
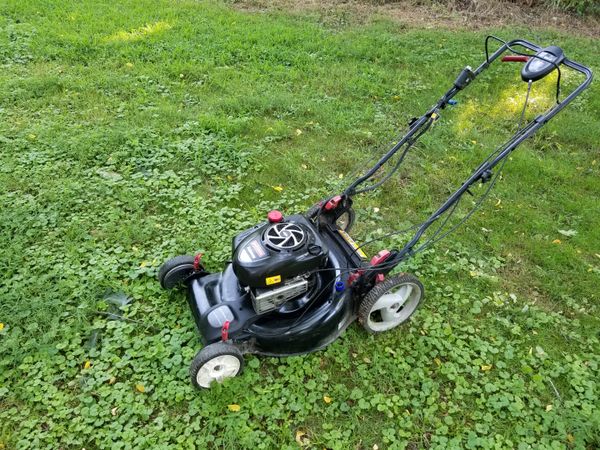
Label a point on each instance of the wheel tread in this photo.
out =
(212, 351)
(174, 270)
(380, 289)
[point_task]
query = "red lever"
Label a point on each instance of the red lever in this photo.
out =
(225, 331)
(380, 257)
(515, 58)
(333, 203)
(197, 263)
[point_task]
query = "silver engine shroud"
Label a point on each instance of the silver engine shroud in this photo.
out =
(265, 299)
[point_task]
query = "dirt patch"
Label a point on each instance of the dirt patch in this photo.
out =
(461, 14)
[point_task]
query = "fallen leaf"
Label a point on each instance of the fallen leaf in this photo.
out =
(298, 132)
(277, 188)
(304, 166)
(87, 365)
(568, 233)
(301, 438)
(140, 388)
(327, 399)
(570, 438)
(556, 241)
(376, 209)
(548, 408)
(498, 202)
(112, 380)
(234, 407)
(486, 367)
(114, 411)
(437, 361)
(375, 447)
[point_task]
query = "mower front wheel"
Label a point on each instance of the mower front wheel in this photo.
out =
(216, 362)
(175, 270)
(390, 303)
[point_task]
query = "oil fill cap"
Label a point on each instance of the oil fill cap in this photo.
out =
(275, 216)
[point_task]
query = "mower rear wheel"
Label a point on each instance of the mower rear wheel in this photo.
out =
(390, 303)
(344, 222)
(175, 270)
(216, 362)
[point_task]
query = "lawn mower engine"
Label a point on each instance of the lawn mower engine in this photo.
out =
(275, 262)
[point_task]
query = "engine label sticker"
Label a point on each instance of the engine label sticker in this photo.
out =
(353, 244)
(253, 251)
(273, 280)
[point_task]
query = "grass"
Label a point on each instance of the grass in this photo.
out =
(136, 131)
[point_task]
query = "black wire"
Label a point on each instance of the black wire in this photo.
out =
(433, 240)
(379, 238)
(409, 145)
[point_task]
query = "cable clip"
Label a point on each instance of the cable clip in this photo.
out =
(486, 176)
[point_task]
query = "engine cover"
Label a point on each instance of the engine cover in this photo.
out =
(269, 254)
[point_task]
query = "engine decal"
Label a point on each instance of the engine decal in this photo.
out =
(273, 280)
(353, 244)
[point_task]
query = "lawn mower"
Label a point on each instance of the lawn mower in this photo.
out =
(295, 283)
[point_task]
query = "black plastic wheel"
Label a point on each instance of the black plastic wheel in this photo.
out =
(175, 270)
(390, 303)
(216, 362)
(344, 222)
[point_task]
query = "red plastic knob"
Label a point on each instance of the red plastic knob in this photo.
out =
(275, 216)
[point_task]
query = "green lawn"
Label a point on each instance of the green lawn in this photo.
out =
(134, 131)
